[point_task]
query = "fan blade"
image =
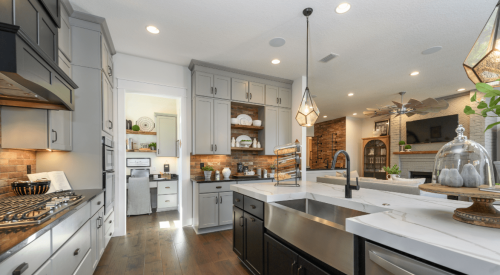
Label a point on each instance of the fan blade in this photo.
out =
(413, 103)
(372, 109)
(399, 105)
(410, 114)
(430, 102)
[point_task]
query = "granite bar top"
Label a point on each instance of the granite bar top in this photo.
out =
(419, 225)
(15, 238)
(212, 179)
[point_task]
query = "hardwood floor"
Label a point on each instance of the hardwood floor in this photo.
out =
(154, 245)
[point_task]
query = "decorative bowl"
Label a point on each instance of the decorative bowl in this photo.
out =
(245, 144)
(257, 123)
(31, 187)
(235, 121)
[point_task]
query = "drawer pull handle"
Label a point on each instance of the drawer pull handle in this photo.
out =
(99, 203)
(167, 187)
(166, 201)
(237, 200)
(252, 219)
(253, 206)
(20, 269)
(111, 234)
(218, 187)
(77, 251)
(111, 221)
(242, 220)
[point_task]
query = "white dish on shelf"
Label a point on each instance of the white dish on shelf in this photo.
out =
(235, 121)
(244, 119)
(243, 144)
(257, 123)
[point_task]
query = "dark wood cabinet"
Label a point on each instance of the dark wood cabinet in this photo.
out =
(253, 246)
(308, 268)
(278, 259)
(238, 232)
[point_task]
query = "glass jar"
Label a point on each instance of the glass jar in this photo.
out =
(463, 163)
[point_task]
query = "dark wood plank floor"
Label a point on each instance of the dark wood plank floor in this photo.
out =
(154, 245)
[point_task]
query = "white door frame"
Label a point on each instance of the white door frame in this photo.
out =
(129, 86)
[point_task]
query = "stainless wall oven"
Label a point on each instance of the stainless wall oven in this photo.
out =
(108, 173)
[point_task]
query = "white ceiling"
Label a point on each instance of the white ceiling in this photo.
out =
(379, 42)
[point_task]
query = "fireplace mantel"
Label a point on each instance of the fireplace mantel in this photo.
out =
(415, 153)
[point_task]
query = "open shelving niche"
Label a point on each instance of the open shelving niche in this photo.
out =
(145, 134)
(248, 127)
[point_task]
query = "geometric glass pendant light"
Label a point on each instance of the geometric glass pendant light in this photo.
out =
(308, 112)
(483, 62)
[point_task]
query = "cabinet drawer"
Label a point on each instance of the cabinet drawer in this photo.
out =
(110, 222)
(108, 235)
(214, 187)
(85, 267)
(34, 255)
(71, 254)
(165, 201)
(167, 187)
(96, 204)
(63, 231)
(254, 207)
(238, 200)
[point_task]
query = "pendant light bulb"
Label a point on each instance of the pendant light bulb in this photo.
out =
(308, 112)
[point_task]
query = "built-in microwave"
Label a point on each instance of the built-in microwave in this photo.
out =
(108, 155)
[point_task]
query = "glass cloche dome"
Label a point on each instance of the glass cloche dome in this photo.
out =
(463, 163)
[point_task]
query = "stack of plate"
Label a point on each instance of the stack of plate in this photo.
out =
(244, 119)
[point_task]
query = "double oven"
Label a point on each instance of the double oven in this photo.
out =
(108, 173)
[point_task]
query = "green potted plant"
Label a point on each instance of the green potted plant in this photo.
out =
(408, 148)
(207, 170)
(152, 146)
(273, 167)
(401, 146)
(392, 172)
(136, 128)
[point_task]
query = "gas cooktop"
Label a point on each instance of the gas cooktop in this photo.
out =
(34, 209)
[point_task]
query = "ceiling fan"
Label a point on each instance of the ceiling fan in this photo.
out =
(413, 107)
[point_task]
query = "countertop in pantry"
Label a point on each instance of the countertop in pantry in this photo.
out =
(336, 169)
(152, 179)
(421, 226)
(14, 239)
(203, 180)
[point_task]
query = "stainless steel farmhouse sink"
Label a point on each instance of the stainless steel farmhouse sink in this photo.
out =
(315, 227)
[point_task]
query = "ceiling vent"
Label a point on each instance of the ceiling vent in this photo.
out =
(328, 57)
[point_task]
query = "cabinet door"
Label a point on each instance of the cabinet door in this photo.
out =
(208, 209)
(105, 104)
(203, 126)
(271, 123)
(110, 69)
(95, 222)
(104, 55)
(65, 34)
(272, 95)
(285, 126)
(225, 208)
(110, 108)
(222, 127)
(308, 268)
(60, 130)
(257, 93)
(46, 269)
(166, 136)
(204, 84)
(100, 234)
(285, 97)
(239, 90)
(238, 232)
(278, 259)
(254, 243)
(222, 87)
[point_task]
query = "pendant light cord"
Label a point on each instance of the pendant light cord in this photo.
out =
(307, 54)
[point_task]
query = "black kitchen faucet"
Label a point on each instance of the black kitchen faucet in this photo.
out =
(348, 187)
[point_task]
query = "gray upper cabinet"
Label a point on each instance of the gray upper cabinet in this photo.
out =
(257, 93)
(65, 34)
(203, 126)
(272, 95)
(239, 90)
(285, 97)
(222, 127)
(65, 64)
(166, 136)
(222, 87)
(270, 132)
(60, 130)
(203, 84)
(106, 60)
(107, 105)
(284, 126)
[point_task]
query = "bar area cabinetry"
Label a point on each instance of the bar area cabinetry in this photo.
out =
(376, 156)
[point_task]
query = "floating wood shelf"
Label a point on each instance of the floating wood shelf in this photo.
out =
(246, 149)
(248, 127)
(142, 151)
(415, 153)
(132, 132)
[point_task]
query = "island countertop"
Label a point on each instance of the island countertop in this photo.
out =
(418, 225)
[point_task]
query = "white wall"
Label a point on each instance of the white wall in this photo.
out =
(139, 105)
(298, 132)
(354, 130)
(174, 79)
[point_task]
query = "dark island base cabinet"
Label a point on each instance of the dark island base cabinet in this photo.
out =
(279, 259)
(238, 232)
(253, 247)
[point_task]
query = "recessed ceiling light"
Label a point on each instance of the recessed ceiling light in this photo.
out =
(324, 116)
(277, 42)
(153, 29)
(414, 73)
(350, 94)
(343, 8)
(354, 114)
(276, 61)
(432, 50)
(461, 90)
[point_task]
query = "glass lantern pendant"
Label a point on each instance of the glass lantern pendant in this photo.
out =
(308, 112)
(483, 62)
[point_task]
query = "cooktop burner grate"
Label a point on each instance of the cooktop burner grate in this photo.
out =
(34, 209)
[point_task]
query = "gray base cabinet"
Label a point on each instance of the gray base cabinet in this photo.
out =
(212, 205)
(97, 237)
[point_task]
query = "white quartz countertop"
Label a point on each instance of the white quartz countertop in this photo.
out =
(418, 225)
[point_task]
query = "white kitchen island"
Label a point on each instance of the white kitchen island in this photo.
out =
(418, 225)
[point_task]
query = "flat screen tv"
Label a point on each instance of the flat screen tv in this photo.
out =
(438, 129)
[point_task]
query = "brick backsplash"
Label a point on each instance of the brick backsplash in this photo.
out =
(323, 142)
(251, 159)
(13, 166)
